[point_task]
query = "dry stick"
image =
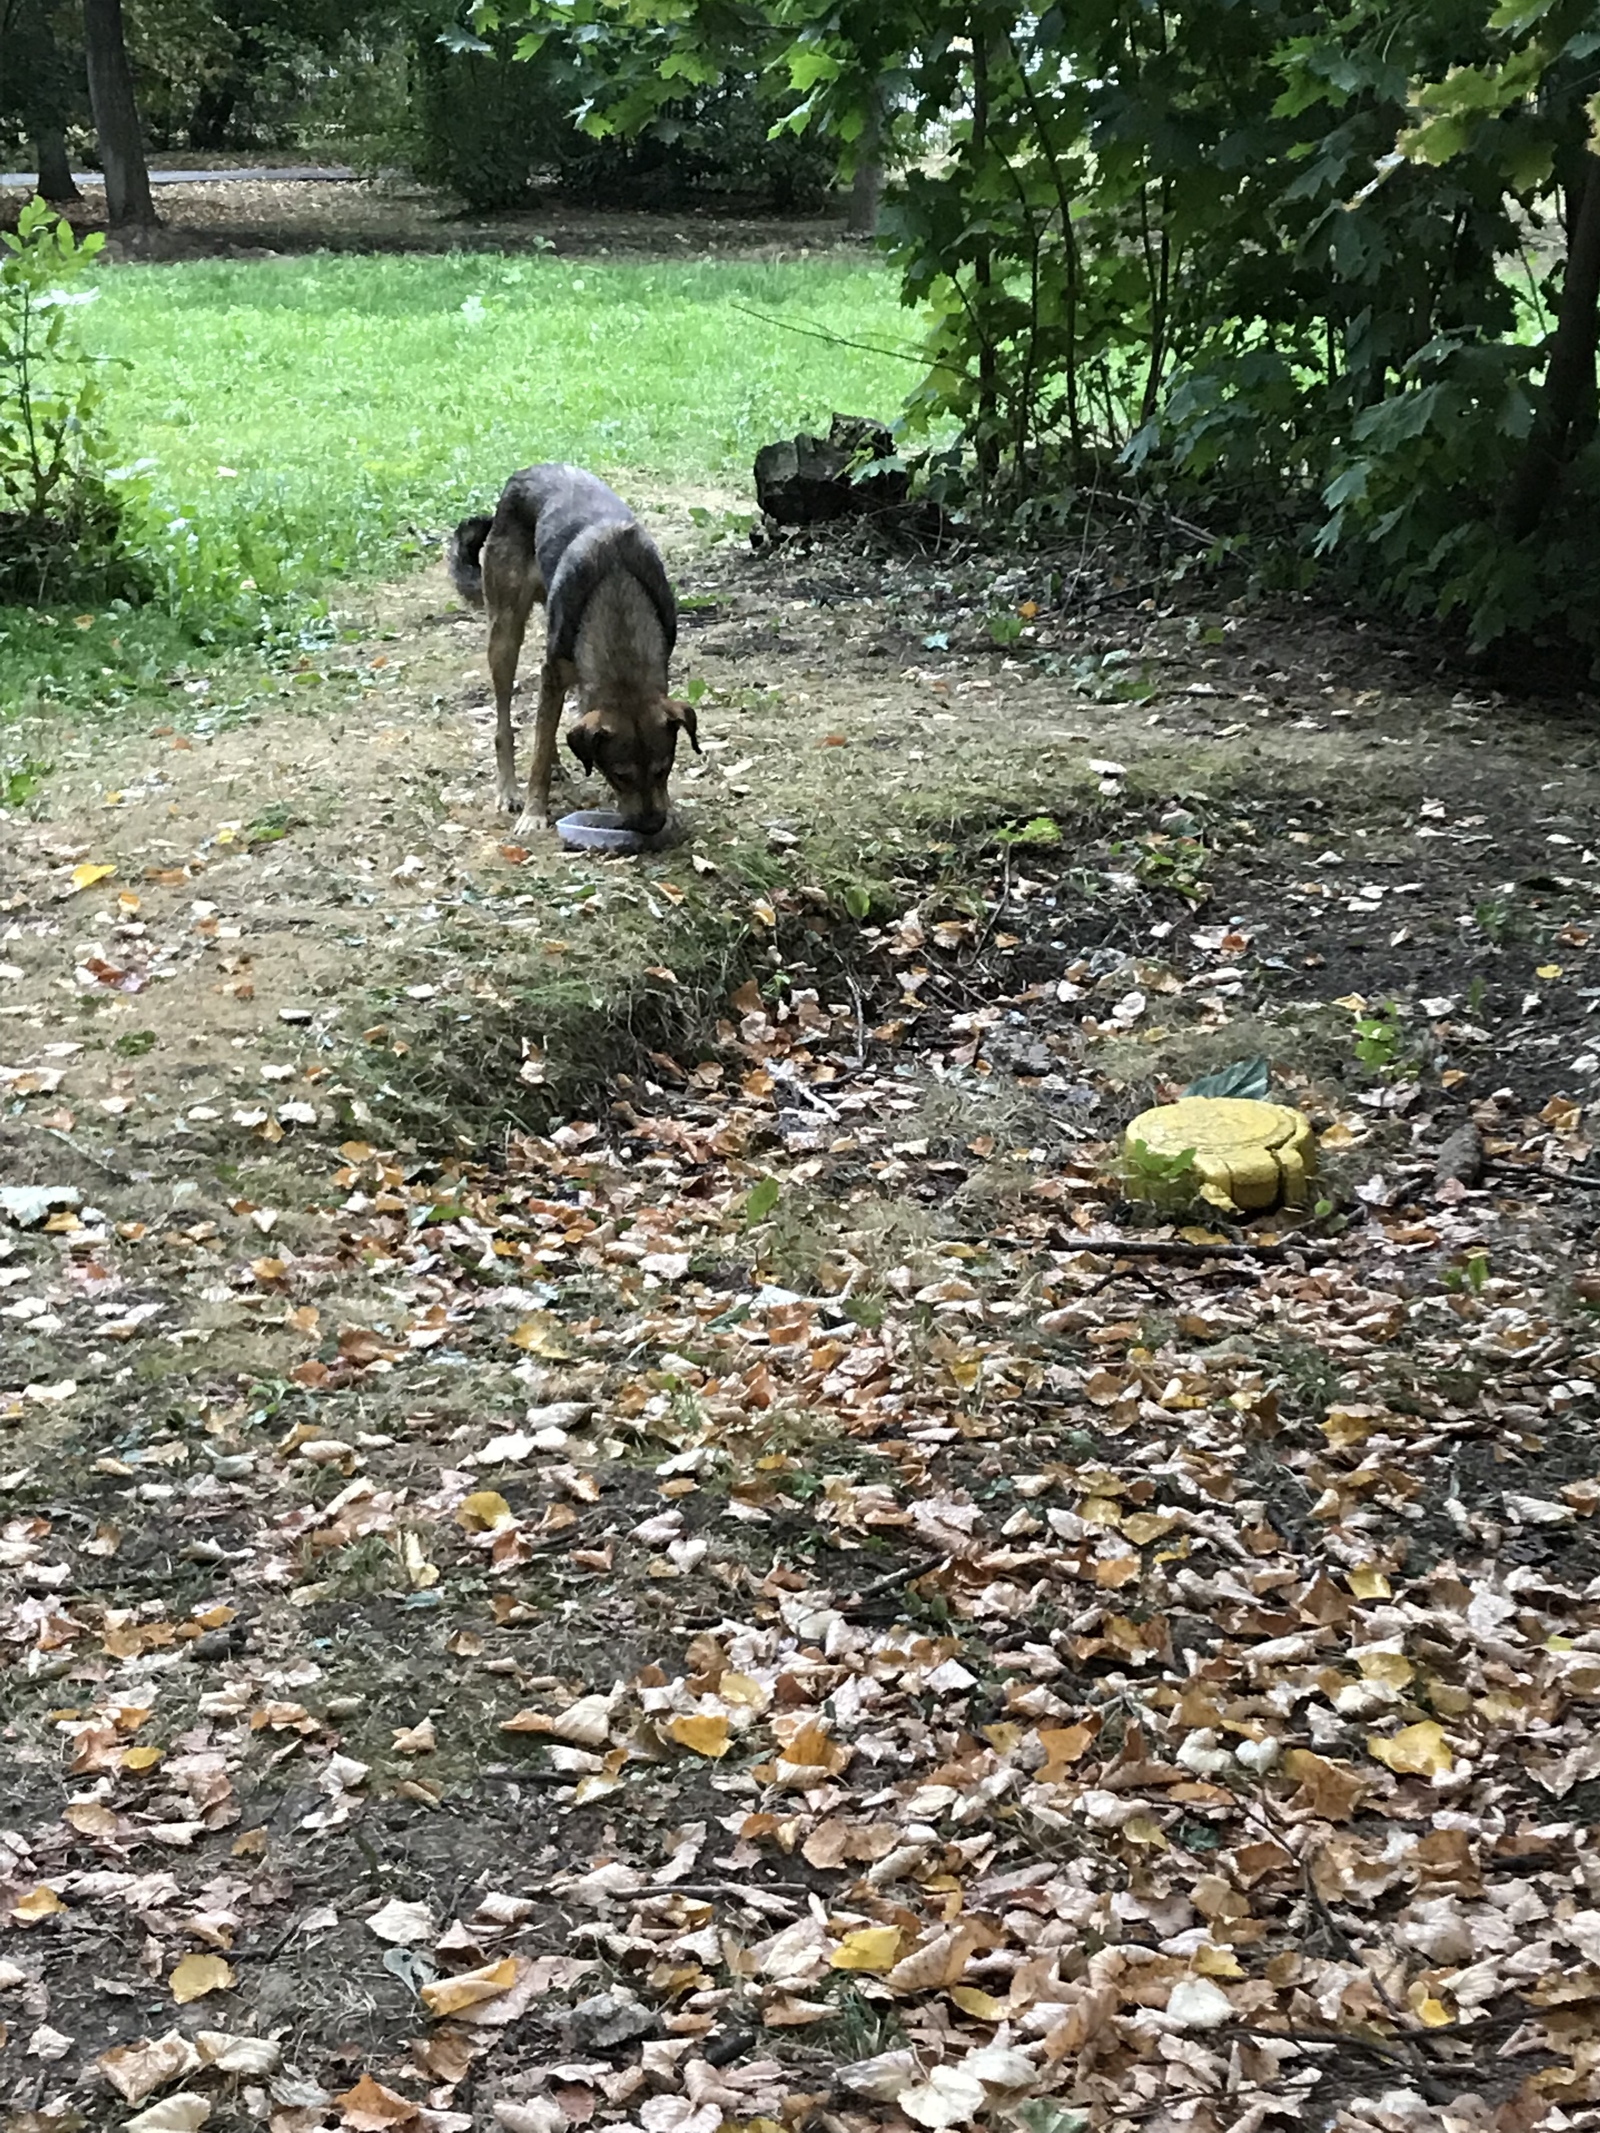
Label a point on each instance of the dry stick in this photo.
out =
(1179, 1248)
(703, 1891)
(994, 915)
(904, 1575)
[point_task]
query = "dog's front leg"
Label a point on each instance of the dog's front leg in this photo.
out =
(547, 725)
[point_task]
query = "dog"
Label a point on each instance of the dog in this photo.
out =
(560, 537)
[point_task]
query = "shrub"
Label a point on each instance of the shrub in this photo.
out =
(60, 523)
(490, 128)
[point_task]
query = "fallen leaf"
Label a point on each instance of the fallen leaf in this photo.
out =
(38, 1903)
(371, 2108)
(1415, 1751)
(706, 1736)
(450, 1994)
(194, 1976)
(870, 1948)
(403, 1924)
(483, 1512)
(136, 2071)
(184, 2113)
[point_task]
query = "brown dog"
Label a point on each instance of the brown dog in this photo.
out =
(561, 537)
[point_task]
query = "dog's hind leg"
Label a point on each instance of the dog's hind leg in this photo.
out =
(553, 685)
(509, 594)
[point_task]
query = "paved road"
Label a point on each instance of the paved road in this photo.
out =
(290, 173)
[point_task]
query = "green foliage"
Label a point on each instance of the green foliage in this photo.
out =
(19, 781)
(491, 130)
(1168, 1180)
(60, 524)
(1380, 1039)
(1041, 830)
(1250, 1078)
(1469, 1276)
(1323, 275)
(761, 1199)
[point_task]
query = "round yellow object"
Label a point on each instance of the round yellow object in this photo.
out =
(1256, 1155)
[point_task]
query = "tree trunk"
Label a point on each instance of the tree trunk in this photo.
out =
(866, 188)
(55, 172)
(116, 118)
(987, 443)
(1567, 400)
(213, 115)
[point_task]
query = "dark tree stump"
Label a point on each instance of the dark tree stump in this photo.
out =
(805, 480)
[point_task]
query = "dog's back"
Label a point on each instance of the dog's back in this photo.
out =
(579, 532)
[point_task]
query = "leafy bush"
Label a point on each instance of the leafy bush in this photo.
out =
(60, 523)
(1326, 278)
(491, 128)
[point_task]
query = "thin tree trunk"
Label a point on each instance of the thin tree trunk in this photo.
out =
(55, 172)
(116, 118)
(988, 442)
(1567, 400)
(866, 188)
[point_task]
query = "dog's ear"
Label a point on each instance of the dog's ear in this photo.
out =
(682, 714)
(584, 740)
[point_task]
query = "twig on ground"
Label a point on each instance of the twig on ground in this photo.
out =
(906, 1574)
(994, 916)
(1181, 1248)
(87, 1155)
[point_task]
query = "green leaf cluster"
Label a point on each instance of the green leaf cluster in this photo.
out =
(1325, 277)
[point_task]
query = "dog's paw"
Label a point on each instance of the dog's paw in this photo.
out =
(531, 822)
(509, 800)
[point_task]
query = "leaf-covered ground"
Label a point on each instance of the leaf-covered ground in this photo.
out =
(780, 1599)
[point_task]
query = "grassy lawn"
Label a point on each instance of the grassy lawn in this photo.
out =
(303, 420)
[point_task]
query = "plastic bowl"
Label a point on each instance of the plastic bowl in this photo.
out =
(599, 829)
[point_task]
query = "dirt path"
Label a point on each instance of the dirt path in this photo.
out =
(746, 1606)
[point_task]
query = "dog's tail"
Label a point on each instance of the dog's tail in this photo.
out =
(464, 554)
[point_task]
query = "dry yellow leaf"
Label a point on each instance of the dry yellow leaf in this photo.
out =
(1369, 1583)
(89, 873)
(1216, 1962)
(142, 1758)
(1393, 1669)
(982, 2006)
(1063, 1745)
(703, 1735)
(38, 1903)
(450, 1994)
(196, 1975)
(483, 1512)
(540, 1336)
(1415, 1751)
(871, 1948)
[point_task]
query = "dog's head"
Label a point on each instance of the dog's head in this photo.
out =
(633, 749)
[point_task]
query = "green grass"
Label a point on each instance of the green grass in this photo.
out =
(364, 404)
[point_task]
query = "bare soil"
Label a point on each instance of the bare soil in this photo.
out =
(254, 217)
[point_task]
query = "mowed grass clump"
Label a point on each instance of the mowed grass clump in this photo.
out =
(298, 421)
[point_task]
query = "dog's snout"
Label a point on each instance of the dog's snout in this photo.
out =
(650, 822)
